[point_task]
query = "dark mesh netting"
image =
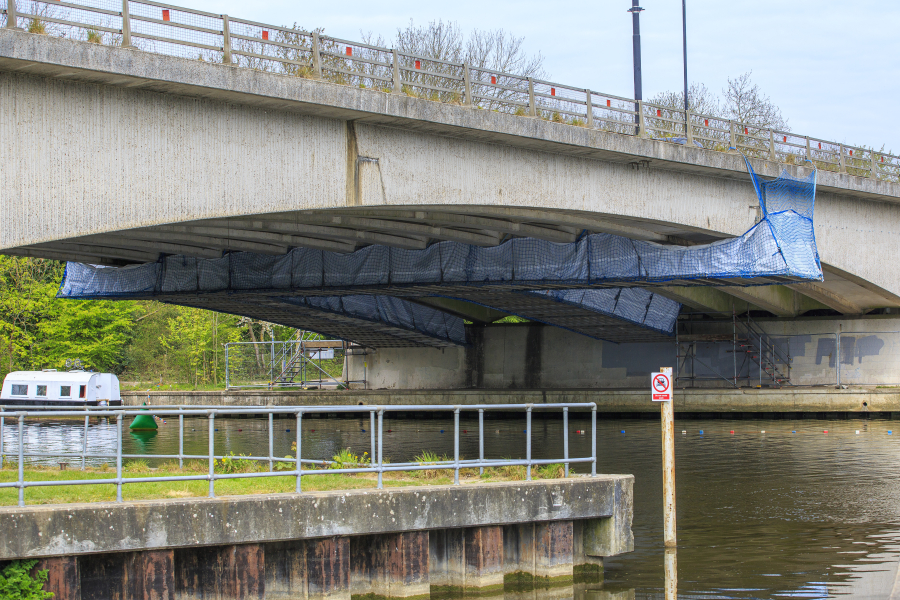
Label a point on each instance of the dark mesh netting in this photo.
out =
(779, 249)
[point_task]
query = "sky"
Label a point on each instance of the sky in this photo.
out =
(832, 67)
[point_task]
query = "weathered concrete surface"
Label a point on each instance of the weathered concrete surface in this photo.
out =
(174, 140)
(39, 531)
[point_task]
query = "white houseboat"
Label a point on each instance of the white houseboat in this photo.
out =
(60, 388)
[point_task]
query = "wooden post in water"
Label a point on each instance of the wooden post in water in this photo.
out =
(661, 389)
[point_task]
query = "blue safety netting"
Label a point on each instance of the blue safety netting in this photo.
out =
(780, 248)
(636, 305)
(781, 245)
(395, 312)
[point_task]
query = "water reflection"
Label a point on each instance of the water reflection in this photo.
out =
(760, 515)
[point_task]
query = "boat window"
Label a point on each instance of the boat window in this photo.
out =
(82, 391)
(42, 390)
(20, 390)
(65, 390)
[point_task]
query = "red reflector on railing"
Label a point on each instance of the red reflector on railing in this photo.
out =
(265, 35)
(418, 64)
(746, 132)
(658, 112)
(493, 79)
(851, 153)
(882, 159)
(820, 145)
(349, 51)
(552, 91)
(608, 103)
(166, 15)
(785, 139)
(706, 122)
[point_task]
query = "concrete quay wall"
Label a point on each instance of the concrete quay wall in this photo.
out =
(398, 543)
(696, 401)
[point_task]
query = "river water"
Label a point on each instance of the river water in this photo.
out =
(777, 509)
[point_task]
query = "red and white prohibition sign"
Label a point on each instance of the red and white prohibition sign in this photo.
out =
(661, 387)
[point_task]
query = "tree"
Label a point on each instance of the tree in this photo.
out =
(700, 101)
(745, 103)
(96, 331)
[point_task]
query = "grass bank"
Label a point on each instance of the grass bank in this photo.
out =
(229, 487)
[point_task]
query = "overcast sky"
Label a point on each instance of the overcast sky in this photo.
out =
(832, 67)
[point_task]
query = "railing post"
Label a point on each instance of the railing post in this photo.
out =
(119, 418)
(299, 451)
(566, 439)
(772, 155)
(480, 439)
(21, 459)
(733, 137)
(398, 80)
(180, 439)
(467, 80)
(380, 447)
(212, 454)
(843, 163)
(589, 105)
(371, 438)
(528, 443)
(688, 129)
(456, 446)
(84, 441)
(12, 15)
(642, 125)
(227, 384)
(532, 107)
(808, 150)
(874, 172)
(126, 24)
(2, 427)
(316, 57)
(271, 441)
(226, 42)
(594, 440)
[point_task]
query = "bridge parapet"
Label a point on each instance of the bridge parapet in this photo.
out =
(184, 32)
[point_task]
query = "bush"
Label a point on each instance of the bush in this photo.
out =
(17, 583)
(430, 458)
(235, 464)
(345, 459)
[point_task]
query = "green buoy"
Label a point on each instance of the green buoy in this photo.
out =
(143, 423)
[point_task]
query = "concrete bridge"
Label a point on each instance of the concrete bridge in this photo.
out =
(117, 156)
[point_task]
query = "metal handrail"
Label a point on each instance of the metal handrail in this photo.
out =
(376, 440)
(346, 62)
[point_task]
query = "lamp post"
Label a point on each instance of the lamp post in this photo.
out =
(684, 51)
(635, 11)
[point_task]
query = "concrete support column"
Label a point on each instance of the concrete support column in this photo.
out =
(62, 577)
(390, 565)
(518, 557)
(286, 577)
(483, 553)
(446, 562)
(328, 568)
(553, 552)
(586, 568)
(221, 573)
(150, 575)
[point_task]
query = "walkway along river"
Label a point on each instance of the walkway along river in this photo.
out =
(774, 509)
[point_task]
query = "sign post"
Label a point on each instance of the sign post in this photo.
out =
(661, 391)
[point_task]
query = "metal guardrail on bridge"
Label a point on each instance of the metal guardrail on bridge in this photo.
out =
(173, 30)
(377, 464)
